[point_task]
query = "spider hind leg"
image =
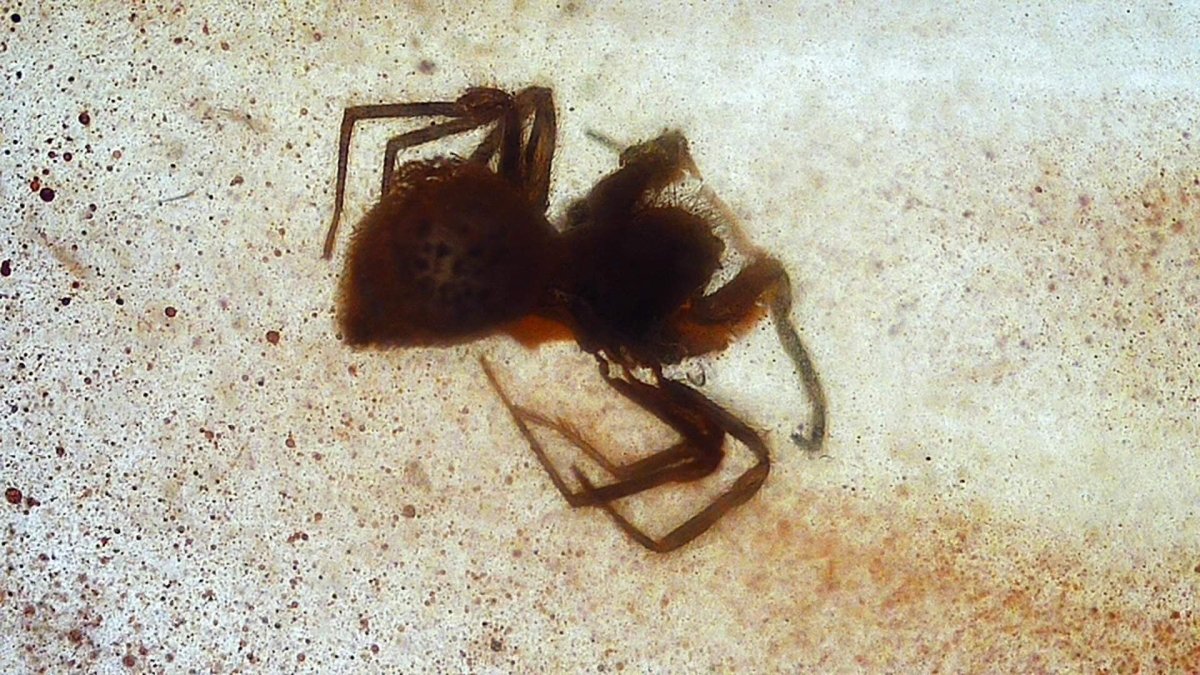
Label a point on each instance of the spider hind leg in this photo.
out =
(703, 427)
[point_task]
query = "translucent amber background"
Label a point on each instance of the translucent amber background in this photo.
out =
(990, 216)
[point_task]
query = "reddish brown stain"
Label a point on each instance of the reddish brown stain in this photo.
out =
(12, 495)
(273, 337)
(947, 581)
(914, 580)
(170, 312)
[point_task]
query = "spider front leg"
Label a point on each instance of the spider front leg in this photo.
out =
(527, 166)
(712, 321)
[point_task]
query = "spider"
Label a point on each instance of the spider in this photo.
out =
(459, 248)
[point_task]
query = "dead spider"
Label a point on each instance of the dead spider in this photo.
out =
(460, 248)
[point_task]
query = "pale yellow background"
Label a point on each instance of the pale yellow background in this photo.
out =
(990, 216)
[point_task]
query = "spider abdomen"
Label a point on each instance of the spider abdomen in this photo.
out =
(451, 252)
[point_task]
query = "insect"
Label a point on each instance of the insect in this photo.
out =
(458, 248)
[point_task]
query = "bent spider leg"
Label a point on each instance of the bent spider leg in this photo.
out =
(508, 162)
(740, 296)
(779, 304)
(523, 417)
(745, 487)
(517, 413)
(633, 477)
(696, 456)
(728, 217)
(350, 116)
(781, 309)
(572, 435)
(418, 136)
(487, 147)
(670, 455)
(524, 162)
(538, 157)
(645, 169)
(728, 306)
(473, 110)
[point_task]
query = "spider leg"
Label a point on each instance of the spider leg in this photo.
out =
(770, 274)
(713, 320)
(741, 491)
(530, 167)
(539, 150)
(365, 112)
(486, 150)
(645, 169)
(742, 295)
(569, 432)
(698, 455)
(572, 436)
(420, 136)
(685, 460)
(785, 330)
(538, 451)
(474, 109)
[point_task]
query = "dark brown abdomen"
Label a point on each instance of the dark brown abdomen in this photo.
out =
(452, 252)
